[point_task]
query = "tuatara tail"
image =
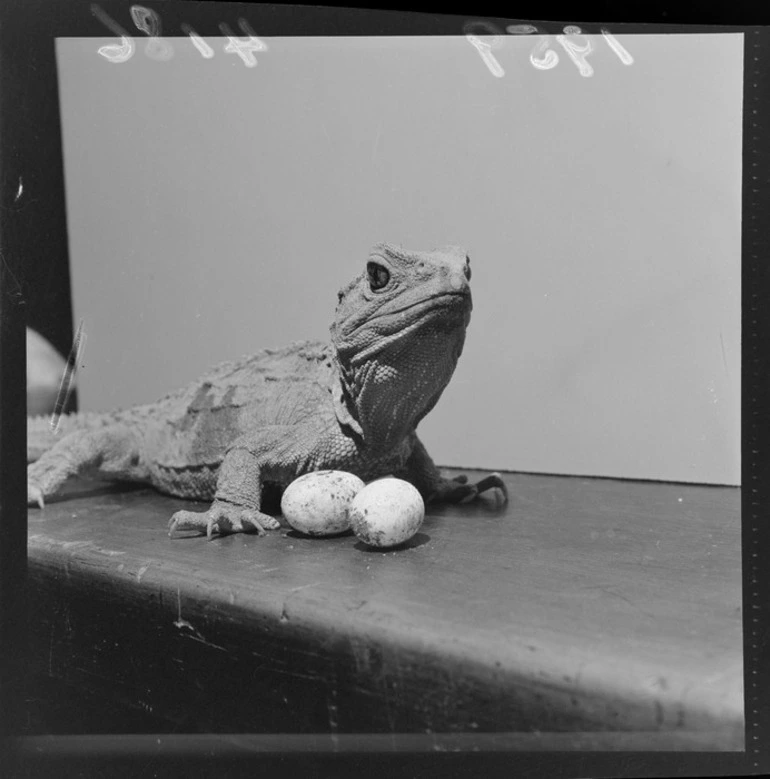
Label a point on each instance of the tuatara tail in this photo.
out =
(41, 435)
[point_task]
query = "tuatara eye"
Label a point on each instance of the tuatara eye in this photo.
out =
(467, 267)
(378, 275)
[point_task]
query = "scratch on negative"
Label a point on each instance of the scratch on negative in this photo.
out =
(608, 591)
(202, 640)
(16, 290)
(284, 614)
(76, 545)
(141, 572)
(303, 587)
(180, 623)
(183, 624)
(333, 727)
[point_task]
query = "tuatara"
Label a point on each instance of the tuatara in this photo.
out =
(352, 404)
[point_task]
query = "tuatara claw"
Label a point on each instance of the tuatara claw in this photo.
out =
(493, 481)
(34, 495)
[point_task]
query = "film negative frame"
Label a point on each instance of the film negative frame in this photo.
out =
(30, 157)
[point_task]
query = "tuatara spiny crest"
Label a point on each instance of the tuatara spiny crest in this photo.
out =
(352, 404)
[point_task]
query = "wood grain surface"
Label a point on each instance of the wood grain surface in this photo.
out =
(584, 605)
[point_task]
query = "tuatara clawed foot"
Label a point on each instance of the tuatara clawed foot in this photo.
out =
(34, 495)
(457, 490)
(223, 519)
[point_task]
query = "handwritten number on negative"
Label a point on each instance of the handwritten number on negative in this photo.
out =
(149, 22)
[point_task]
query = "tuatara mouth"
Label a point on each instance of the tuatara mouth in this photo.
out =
(443, 317)
(448, 309)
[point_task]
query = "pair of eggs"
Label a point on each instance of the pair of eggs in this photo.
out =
(383, 513)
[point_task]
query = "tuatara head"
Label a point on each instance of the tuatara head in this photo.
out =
(398, 332)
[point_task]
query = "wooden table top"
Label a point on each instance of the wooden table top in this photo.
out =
(583, 605)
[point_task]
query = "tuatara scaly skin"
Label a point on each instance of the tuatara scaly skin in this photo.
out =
(352, 404)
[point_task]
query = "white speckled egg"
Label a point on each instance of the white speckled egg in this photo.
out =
(317, 503)
(387, 512)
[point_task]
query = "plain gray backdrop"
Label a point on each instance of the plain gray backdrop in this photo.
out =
(215, 209)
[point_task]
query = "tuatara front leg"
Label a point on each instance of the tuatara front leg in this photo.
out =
(421, 471)
(236, 506)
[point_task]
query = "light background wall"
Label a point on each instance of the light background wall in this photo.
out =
(215, 209)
